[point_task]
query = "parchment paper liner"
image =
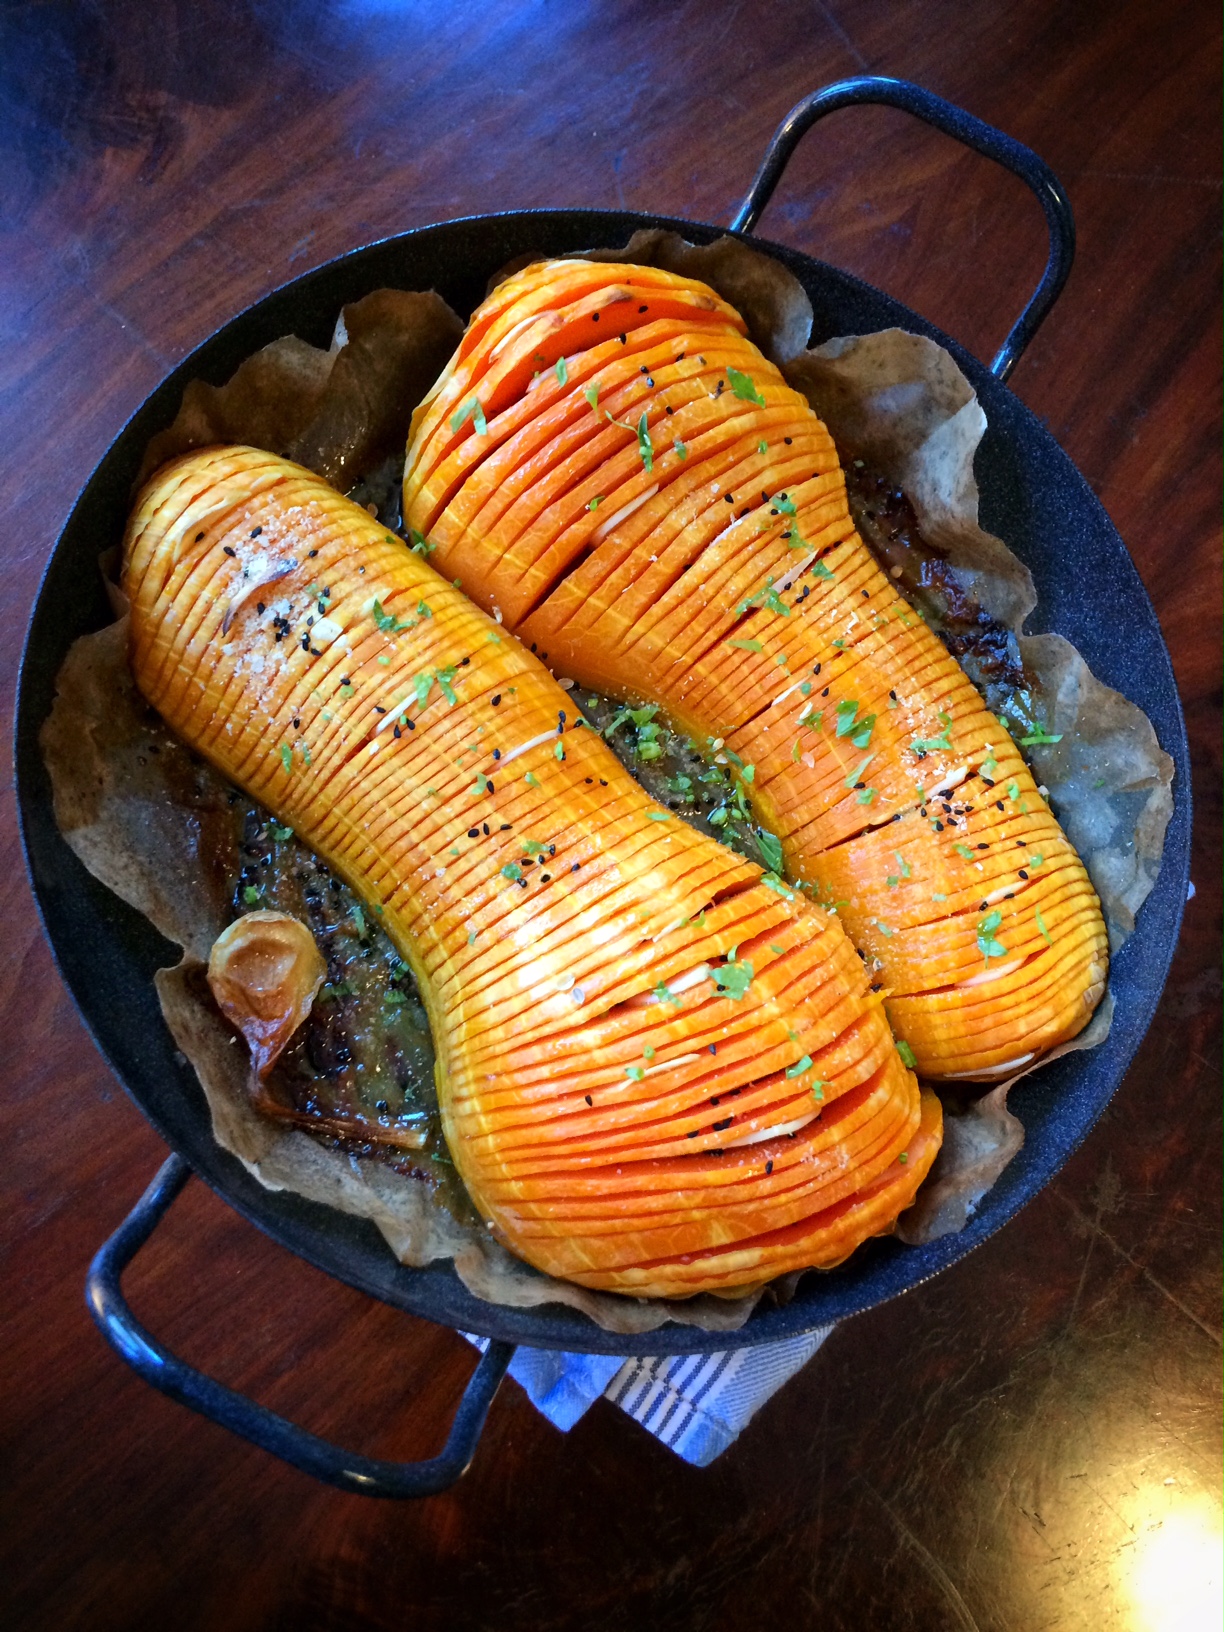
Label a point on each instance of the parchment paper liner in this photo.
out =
(894, 399)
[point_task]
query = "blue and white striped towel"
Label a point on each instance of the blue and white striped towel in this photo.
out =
(695, 1404)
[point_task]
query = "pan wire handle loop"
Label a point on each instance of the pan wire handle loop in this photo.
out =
(965, 128)
(361, 1475)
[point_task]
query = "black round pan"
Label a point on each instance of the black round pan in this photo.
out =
(1031, 495)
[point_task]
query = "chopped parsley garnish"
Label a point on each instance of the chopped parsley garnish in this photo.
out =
(783, 505)
(772, 882)
(512, 871)
(743, 387)
(385, 621)
(420, 544)
(819, 570)
(800, 1066)
(634, 1073)
(747, 645)
(929, 745)
(963, 850)
(906, 869)
(906, 1053)
(988, 946)
(531, 781)
(856, 777)
(286, 754)
(1041, 925)
(562, 372)
(664, 994)
(473, 411)
(1039, 738)
(680, 450)
(592, 395)
(250, 894)
(645, 445)
(596, 502)
(658, 815)
(762, 447)
(281, 834)
(771, 848)
(733, 979)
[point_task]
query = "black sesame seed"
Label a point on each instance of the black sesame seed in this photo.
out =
(497, 753)
(983, 847)
(717, 1127)
(1020, 873)
(769, 1167)
(229, 550)
(588, 1099)
(496, 698)
(473, 833)
(788, 440)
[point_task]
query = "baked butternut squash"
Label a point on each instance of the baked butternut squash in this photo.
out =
(660, 1071)
(614, 470)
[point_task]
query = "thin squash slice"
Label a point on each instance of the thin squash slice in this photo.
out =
(660, 1071)
(660, 516)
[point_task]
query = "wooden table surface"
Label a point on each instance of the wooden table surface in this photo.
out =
(1029, 1442)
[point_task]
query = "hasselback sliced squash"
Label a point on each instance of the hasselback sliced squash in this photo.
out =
(659, 1072)
(629, 485)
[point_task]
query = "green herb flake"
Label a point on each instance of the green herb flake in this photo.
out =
(680, 450)
(783, 505)
(800, 1066)
(963, 850)
(281, 834)
(664, 994)
(906, 1053)
(1013, 791)
(772, 882)
(473, 411)
(420, 544)
(929, 745)
(762, 447)
(864, 796)
(531, 780)
(743, 387)
(846, 715)
(562, 372)
(1041, 925)
(634, 1073)
(592, 395)
(818, 1089)
(286, 754)
(512, 871)
(659, 815)
(558, 751)
(250, 894)
(988, 946)
(1035, 860)
(1040, 739)
(733, 979)
(819, 570)
(771, 848)
(471, 940)
(856, 777)
(596, 502)
(645, 445)
(747, 645)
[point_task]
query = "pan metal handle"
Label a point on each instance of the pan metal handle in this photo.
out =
(974, 133)
(362, 1475)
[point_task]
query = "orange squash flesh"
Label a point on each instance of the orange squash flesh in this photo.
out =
(699, 554)
(617, 1115)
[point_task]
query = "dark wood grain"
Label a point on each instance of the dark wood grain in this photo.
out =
(1029, 1442)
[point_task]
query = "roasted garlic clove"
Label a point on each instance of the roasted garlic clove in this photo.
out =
(264, 971)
